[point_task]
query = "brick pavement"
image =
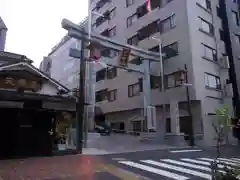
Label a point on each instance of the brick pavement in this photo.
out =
(69, 167)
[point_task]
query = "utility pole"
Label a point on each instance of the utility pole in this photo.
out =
(81, 99)
(191, 135)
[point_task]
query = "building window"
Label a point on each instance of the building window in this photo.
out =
(154, 49)
(100, 75)
(100, 20)
(219, 12)
(136, 61)
(110, 53)
(129, 2)
(155, 82)
(173, 80)
(221, 33)
(168, 125)
(101, 95)
(111, 73)
(206, 4)
(101, 3)
(112, 32)
(212, 81)
(133, 40)
(134, 90)
(170, 81)
(108, 15)
(48, 67)
(142, 10)
(167, 24)
(112, 13)
(131, 20)
(206, 27)
(148, 30)
(170, 50)
(118, 126)
(209, 53)
(155, 4)
(112, 95)
(237, 37)
(105, 33)
(235, 18)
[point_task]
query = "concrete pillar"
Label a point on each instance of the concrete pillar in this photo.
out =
(90, 94)
(175, 138)
(146, 92)
(174, 115)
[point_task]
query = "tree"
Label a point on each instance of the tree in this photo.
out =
(222, 124)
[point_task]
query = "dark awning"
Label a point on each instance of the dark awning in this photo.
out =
(12, 95)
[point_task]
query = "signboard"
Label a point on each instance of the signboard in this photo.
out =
(19, 83)
(124, 56)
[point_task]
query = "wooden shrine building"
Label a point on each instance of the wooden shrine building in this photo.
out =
(30, 101)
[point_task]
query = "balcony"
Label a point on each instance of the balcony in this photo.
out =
(177, 93)
(122, 104)
(143, 21)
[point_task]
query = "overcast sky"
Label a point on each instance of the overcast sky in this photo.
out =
(34, 26)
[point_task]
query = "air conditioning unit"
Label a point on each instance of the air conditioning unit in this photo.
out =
(224, 62)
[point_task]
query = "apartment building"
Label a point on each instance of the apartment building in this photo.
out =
(3, 34)
(228, 11)
(59, 65)
(192, 35)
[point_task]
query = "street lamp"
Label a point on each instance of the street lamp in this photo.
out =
(162, 88)
(184, 83)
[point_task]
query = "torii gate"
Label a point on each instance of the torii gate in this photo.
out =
(79, 33)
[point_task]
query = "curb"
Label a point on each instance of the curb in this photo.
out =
(103, 152)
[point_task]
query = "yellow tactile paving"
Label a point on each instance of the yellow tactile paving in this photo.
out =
(122, 174)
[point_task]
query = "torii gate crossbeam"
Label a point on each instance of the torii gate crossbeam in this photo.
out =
(78, 32)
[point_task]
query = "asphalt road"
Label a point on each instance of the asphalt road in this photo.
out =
(179, 164)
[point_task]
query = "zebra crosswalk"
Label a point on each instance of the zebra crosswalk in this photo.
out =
(183, 168)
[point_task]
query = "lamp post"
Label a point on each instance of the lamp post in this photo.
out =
(162, 88)
(184, 78)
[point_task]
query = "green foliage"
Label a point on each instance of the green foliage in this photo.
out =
(222, 123)
(223, 117)
(233, 174)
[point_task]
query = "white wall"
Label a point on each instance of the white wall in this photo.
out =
(48, 89)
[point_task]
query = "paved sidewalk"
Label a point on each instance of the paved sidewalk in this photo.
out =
(115, 144)
(70, 167)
